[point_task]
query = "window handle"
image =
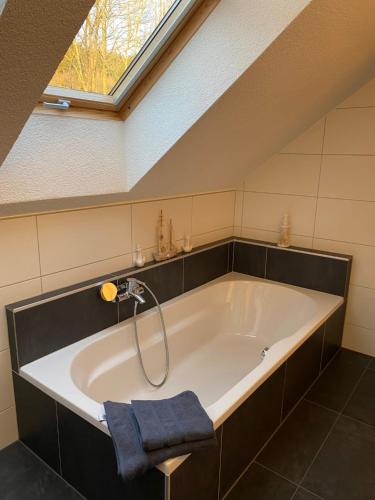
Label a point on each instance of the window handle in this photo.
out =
(60, 104)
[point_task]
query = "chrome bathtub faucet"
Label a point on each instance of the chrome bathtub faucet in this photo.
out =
(135, 290)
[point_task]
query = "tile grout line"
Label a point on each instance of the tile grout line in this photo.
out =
(339, 414)
(319, 179)
(289, 481)
(58, 439)
(220, 459)
(39, 256)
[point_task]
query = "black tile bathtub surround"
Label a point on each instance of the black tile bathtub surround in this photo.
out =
(88, 462)
(55, 320)
(205, 266)
(302, 368)
(308, 270)
(250, 259)
(249, 427)
(165, 281)
(85, 458)
(49, 326)
(198, 477)
(36, 418)
(44, 324)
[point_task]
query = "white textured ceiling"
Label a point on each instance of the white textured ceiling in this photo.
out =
(34, 36)
(281, 82)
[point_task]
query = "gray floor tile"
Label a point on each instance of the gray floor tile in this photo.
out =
(305, 495)
(293, 447)
(344, 468)
(372, 365)
(259, 483)
(24, 477)
(362, 403)
(334, 386)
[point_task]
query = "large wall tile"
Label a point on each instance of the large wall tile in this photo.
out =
(309, 142)
(72, 239)
(364, 97)
(286, 174)
(6, 392)
(361, 307)
(273, 236)
(14, 293)
(145, 219)
(363, 265)
(71, 276)
(350, 131)
(212, 236)
(19, 260)
(237, 222)
(212, 211)
(265, 211)
(8, 427)
(344, 220)
(350, 177)
(359, 339)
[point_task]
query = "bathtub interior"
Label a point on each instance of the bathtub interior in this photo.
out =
(233, 319)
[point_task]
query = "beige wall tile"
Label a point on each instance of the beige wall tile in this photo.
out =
(364, 97)
(361, 307)
(350, 131)
(14, 293)
(219, 234)
(343, 220)
(309, 142)
(265, 211)
(78, 274)
(286, 174)
(213, 211)
(72, 239)
(6, 392)
(273, 236)
(363, 267)
(19, 258)
(350, 177)
(238, 209)
(359, 339)
(8, 427)
(145, 219)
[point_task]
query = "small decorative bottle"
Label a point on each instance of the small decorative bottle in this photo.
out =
(187, 246)
(172, 240)
(140, 259)
(284, 238)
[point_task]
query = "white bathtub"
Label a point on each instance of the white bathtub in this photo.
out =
(216, 336)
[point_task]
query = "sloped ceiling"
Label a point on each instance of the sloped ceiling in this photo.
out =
(307, 67)
(34, 36)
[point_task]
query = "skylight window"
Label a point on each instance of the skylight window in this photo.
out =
(117, 43)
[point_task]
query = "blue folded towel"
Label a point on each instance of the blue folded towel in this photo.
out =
(132, 459)
(168, 422)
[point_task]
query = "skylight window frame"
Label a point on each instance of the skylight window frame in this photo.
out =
(171, 25)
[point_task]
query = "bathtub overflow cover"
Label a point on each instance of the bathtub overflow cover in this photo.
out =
(264, 352)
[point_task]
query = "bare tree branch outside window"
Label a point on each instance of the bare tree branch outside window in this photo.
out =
(112, 35)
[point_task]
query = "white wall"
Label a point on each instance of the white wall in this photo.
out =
(325, 179)
(45, 252)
